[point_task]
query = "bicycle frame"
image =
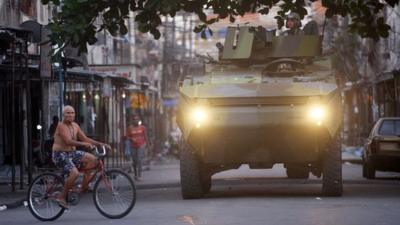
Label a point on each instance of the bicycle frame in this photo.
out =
(50, 188)
(98, 168)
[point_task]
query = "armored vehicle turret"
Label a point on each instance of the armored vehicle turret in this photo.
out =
(269, 99)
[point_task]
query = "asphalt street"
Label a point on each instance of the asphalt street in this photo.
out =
(251, 197)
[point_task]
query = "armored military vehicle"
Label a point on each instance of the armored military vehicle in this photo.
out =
(267, 100)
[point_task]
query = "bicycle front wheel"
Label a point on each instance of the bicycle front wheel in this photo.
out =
(42, 193)
(114, 194)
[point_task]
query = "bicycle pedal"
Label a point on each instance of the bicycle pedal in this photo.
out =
(73, 198)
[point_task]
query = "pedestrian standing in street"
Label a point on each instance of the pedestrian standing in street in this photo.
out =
(67, 137)
(135, 145)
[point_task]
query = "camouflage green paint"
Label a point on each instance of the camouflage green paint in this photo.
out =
(254, 118)
(239, 45)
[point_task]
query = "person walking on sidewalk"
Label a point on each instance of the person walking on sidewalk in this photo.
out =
(68, 135)
(135, 145)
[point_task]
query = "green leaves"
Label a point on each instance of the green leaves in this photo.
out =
(155, 32)
(74, 24)
(392, 3)
(264, 10)
(365, 16)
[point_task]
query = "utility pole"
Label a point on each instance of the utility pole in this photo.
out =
(60, 85)
(190, 37)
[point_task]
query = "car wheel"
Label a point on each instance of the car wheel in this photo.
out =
(368, 169)
(190, 171)
(332, 169)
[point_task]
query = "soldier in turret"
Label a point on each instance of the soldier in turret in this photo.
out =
(293, 23)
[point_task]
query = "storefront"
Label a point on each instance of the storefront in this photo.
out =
(100, 105)
(365, 102)
(17, 115)
(29, 101)
(358, 114)
(388, 94)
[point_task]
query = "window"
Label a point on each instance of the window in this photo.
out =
(390, 127)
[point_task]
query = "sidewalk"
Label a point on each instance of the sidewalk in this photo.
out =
(352, 154)
(9, 200)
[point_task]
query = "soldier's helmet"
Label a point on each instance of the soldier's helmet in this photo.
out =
(294, 16)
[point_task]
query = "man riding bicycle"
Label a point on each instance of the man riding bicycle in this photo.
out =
(67, 137)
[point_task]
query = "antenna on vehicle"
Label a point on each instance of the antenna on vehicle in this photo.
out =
(323, 28)
(236, 37)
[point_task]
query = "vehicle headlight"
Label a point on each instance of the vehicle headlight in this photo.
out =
(317, 114)
(199, 116)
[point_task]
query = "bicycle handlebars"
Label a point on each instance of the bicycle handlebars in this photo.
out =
(101, 153)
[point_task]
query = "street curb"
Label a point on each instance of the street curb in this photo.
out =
(13, 205)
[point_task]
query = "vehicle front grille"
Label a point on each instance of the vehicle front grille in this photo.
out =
(256, 101)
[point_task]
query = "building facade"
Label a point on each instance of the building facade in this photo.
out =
(369, 73)
(33, 90)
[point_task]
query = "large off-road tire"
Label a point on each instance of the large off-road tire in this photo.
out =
(332, 169)
(297, 172)
(190, 168)
(368, 169)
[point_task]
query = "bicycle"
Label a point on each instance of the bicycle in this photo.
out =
(114, 192)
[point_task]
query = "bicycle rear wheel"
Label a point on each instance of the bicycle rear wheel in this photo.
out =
(114, 195)
(41, 195)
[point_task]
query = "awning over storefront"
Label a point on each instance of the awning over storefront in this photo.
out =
(384, 76)
(80, 74)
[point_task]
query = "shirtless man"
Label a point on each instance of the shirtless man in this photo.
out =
(67, 137)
